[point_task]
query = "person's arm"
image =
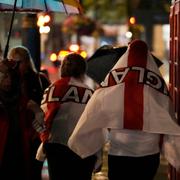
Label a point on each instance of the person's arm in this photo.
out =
(38, 122)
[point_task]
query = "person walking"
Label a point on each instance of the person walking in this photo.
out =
(9, 133)
(63, 103)
(14, 130)
(132, 112)
(31, 87)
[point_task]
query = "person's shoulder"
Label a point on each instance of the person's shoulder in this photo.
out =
(60, 86)
(62, 81)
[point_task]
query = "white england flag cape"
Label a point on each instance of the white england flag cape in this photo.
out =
(63, 103)
(132, 96)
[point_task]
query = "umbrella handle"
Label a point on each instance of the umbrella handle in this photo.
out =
(10, 30)
(64, 7)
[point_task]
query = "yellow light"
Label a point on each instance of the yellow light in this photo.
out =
(132, 20)
(40, 21)
(83, 54)
(53, 57)
(74, 47)
(62, 54)
(43, 19)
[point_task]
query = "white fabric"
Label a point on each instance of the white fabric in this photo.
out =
(40, 155)
(105, 110)
(68, 110)
(63, 102)
(38, 121)
(129, 143)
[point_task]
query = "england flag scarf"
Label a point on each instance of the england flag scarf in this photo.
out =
(133, 96)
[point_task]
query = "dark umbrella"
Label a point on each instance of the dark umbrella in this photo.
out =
(103, 60)
(63, 6)
(157, 61)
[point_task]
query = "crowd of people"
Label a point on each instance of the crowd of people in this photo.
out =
(68, 122)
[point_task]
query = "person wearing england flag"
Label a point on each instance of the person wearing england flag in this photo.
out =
(63, 102)
(132, 111)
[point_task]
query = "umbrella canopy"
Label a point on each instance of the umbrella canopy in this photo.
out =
(103, 60)
(63, 6)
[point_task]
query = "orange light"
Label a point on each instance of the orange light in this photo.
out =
(53, 57)
(132, 20)
(74, 47)
(40, 21)
(83, 54)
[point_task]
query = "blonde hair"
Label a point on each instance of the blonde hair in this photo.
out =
(23, 54)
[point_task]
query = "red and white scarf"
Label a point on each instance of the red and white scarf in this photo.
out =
(67, 96)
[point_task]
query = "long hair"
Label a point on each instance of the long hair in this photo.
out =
(24, 55)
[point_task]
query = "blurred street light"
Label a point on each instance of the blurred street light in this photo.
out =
(132, 20)
(43, 23)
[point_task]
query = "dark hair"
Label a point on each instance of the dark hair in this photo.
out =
(73, 65)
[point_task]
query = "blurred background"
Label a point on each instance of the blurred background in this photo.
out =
(50, 36)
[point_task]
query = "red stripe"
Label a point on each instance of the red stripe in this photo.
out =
(133, 96)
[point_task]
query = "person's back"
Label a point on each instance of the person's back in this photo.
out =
(63, 103)
(134, 112)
